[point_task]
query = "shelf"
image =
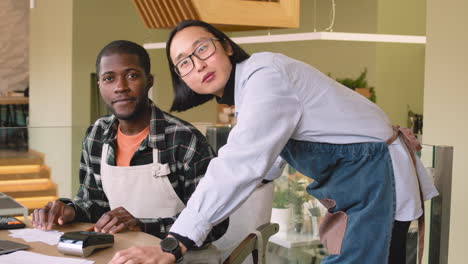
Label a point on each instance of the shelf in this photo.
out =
(293, 239)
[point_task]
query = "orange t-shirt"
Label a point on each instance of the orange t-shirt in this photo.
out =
(127, 146)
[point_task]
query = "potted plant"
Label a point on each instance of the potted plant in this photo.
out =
(288, 200)
(297, 198)
(281, 211)
(360, 85)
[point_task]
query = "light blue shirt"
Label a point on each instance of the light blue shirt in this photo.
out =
(278, 98)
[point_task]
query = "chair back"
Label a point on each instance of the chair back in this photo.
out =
(253, 213)
(255, 244)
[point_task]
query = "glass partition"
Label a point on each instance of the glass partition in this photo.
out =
(299, 216)
(440, 206)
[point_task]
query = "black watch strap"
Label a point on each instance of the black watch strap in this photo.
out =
(187, 242)
(171, 245)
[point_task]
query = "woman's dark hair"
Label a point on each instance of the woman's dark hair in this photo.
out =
(125, 47)
(184, 97)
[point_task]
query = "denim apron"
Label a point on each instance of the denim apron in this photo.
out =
(355, 182)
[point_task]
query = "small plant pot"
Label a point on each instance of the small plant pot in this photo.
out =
(298, 227)
(364, 92)
(281, 217)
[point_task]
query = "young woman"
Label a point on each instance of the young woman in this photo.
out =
(363, 172)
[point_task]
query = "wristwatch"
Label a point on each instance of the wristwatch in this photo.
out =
(171, 245)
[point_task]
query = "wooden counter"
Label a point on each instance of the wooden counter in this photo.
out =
(121, 241)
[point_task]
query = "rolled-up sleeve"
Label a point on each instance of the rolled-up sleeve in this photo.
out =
(268, 116)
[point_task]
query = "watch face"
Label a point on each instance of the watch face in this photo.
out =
(169, 244)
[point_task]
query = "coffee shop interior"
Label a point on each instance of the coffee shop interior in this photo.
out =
(408, 57)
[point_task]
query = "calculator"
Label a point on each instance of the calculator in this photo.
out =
(10, 222)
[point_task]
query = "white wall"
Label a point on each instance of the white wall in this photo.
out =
(395, 70)
(50, 92)
(445, 105)
(400, 67)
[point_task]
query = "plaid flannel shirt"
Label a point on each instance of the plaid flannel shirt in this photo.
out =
(181, 145)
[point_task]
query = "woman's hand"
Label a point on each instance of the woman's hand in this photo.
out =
(143, 255)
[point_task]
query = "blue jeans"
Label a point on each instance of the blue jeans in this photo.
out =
(356, 183)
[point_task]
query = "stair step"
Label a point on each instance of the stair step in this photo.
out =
(24, 172)
(12, 157)
(19, 169)
(25, 177)
(36, 202)
(28, 188)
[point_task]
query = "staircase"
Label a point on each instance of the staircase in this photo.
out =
(25, 177)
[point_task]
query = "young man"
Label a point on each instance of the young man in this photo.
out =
(140, 165)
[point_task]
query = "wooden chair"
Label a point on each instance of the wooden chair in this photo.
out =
(253, 244)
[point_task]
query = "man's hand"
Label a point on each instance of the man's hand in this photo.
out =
(54, 212)
(116, 221)
(143, 255)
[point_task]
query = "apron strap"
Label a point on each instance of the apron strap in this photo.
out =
(105, 149)
(158, 168)
(396, 133)
(155, 155)
(413, 145)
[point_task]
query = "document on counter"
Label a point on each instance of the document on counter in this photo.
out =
(21, 257)
(50, 237)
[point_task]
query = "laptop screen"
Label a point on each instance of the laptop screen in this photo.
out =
(7, 246)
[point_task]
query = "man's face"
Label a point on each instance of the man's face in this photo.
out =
(124, 85)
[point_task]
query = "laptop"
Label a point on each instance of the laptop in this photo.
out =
(7, 246)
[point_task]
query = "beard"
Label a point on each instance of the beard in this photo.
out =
(139, 109)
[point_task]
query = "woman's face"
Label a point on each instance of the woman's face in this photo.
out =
(210, 75)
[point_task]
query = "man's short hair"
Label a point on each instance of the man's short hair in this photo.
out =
(125, 47)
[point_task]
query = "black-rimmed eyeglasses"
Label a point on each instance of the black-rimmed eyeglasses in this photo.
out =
(202, 52)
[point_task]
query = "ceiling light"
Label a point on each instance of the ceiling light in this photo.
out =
(340, 36)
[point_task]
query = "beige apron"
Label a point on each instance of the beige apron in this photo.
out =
(146, 192)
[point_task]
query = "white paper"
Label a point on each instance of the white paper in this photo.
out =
(22, 257)
(50, 237)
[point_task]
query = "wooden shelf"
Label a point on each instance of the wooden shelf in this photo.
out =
(227, 15)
